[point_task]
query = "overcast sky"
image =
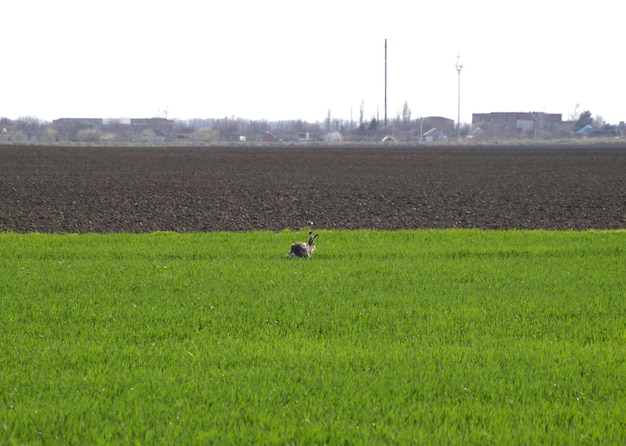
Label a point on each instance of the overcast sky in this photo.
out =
(281, 59)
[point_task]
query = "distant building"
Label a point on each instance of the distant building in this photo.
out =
(304, 136)
(79, 122)
(445, 125)
(432, 129)
(520, 124)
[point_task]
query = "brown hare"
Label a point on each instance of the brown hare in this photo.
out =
(303, 250)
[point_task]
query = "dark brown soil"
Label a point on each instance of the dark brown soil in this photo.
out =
(130, 189)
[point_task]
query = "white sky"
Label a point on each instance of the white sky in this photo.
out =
(282, 59)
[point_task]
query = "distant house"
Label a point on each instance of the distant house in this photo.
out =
(304, 136)
(585, 130)
(476, 132)
(434, 135)
(606, 131)
(333, 137)
(268, 137)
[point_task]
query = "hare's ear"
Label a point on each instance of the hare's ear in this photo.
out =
(311, 237)
(315, 237)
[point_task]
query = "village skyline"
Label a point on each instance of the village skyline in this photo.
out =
(404, 128)
(278, 61)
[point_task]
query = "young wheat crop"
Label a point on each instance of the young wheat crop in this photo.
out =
(451, 336)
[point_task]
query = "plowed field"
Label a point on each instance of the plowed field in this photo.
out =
(131, 189)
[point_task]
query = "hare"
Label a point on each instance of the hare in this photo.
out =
(303, 250)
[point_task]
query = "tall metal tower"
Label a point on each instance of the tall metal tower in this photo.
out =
(459, 67)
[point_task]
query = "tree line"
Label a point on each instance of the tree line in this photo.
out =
(233, 128)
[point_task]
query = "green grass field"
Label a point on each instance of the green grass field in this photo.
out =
(426, 336)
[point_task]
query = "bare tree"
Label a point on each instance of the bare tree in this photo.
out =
(328, 121)
(600, 122)
(361, 112)
(574, 115)
(406, 113)
(30, 126)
